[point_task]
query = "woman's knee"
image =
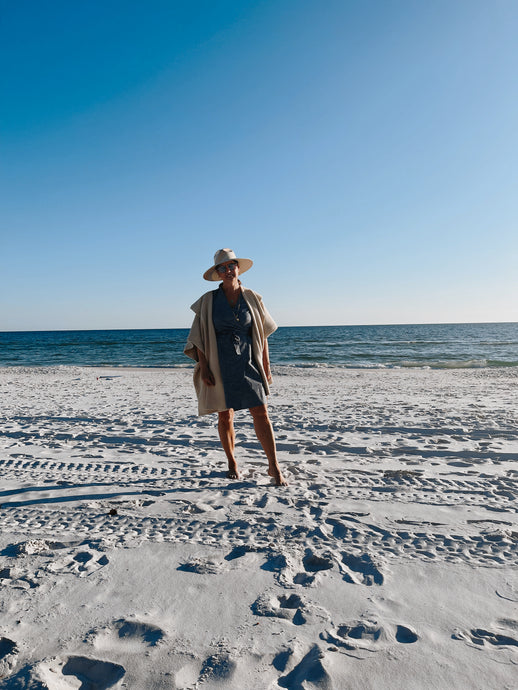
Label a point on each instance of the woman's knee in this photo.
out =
(259, 412)
(226, 417)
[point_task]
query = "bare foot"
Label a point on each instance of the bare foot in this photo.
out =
(276, 473)
(233, 472)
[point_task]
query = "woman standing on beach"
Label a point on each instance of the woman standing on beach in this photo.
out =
(228, 340)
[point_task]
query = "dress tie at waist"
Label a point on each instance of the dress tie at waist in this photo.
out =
(237, 340)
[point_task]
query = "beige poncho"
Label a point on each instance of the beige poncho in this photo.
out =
(203, 336)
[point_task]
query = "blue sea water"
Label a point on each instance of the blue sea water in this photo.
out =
(436, 346)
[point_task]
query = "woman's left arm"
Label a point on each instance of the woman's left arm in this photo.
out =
(266, 362)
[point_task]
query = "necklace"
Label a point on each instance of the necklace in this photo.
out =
(235, 308)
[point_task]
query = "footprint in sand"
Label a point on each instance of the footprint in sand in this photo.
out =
(92, 672)
(369, 635)
(292, 570)
(282, 659)
(240, 551)
(8, 656)
(82, 563)
(490, 638)
(202, 566)
(290, 607)
(312, 563)
(310, 669)
(217, 668)
(34, 547)
(126, 633)
(16, 578)
(360, 570)
(72, 672)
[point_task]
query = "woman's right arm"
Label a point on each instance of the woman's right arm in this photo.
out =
(206, 374)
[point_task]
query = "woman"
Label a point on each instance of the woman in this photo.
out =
(228, 340)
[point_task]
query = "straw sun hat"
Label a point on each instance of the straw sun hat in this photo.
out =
(221, 257)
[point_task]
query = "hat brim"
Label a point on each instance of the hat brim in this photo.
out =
(212, 274)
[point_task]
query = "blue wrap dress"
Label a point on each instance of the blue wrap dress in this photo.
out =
(242, 379)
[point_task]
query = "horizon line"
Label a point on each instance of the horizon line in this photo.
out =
(350, 325)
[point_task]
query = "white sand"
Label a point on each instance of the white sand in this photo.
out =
(389, 562)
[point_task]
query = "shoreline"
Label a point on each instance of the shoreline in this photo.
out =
(446, 366)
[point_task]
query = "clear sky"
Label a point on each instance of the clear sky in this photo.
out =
(363, 153)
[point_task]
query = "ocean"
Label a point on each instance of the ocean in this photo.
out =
(435, 346)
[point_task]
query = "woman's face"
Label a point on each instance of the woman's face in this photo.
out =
(228, 272)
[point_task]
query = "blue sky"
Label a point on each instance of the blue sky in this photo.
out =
(364, 154)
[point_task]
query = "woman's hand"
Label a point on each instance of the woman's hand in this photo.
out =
(206, 374)
(266, 363)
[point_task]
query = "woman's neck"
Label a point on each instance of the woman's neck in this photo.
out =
(232, 291)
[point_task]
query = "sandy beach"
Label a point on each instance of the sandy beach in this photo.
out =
(128, 560)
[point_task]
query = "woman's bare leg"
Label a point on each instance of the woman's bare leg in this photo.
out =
(264, 432)
(227, 436)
